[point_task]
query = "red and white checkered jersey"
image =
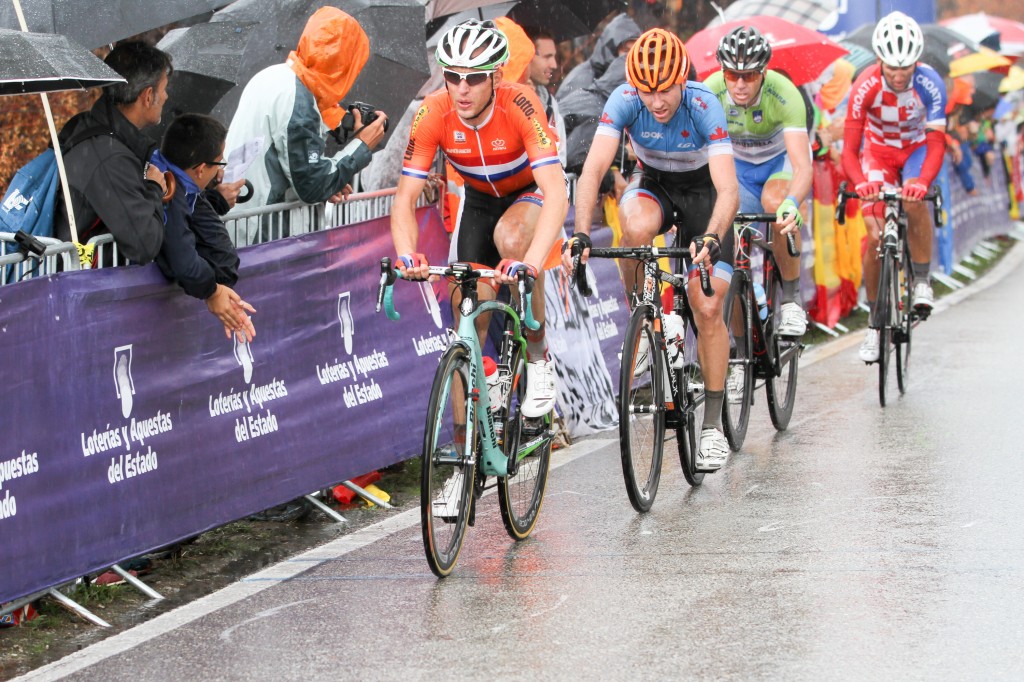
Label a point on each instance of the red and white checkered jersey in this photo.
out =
(898, 119)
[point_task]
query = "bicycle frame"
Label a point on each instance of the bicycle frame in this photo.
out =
(466, 277)
(748, 237)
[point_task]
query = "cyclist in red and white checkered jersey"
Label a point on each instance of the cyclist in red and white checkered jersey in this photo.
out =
(898, 110)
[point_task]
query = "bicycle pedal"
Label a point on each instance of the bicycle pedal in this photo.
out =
(533, 427)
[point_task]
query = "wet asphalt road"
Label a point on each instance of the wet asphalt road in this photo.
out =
(864, 543)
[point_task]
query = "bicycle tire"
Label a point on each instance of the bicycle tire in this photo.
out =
(521, 494)
(884, 302)
(736, 409)
(691, 411)
(444, 524)
(906, 293)
(641, 409)
(780, 385)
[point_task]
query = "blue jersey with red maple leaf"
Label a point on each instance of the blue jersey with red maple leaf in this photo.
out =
(696, 132)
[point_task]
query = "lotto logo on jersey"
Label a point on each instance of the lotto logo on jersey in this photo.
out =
(498, 145)
(419, 117)
(542, 137)
(459, 136)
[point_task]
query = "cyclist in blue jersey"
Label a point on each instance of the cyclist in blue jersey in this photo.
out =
(679, 134)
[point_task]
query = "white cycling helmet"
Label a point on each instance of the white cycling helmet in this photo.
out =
(898, 40)
(473, 45)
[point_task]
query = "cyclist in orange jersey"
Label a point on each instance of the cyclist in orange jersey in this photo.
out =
(496, 136)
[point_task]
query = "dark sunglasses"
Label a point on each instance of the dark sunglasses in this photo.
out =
(746, 76)
(217, 163)
(475, 78)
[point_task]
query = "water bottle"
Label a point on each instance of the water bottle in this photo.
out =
(675, 339)
(493, 383)
(762, 301)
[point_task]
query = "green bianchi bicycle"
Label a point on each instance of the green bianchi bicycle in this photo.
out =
(660, 383)
(894, 314)
(757, 351)
(468, 438)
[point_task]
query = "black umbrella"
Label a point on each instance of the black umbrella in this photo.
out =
(941, 45)
(97, 23)
(553, 16)
(43, 62)
(207, 61)
(391, 78)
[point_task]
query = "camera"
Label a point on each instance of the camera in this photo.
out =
(368, 112)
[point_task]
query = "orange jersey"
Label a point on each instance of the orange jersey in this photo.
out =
(498, 156)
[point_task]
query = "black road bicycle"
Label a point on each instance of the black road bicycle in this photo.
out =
(656, 394)
(894, 315)
(760, 352)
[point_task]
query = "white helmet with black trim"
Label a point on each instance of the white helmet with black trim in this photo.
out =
(473, 45)
(898, 40)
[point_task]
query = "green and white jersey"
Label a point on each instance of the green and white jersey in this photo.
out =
(757, 129)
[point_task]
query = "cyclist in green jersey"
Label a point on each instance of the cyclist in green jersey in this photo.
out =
(768, 125)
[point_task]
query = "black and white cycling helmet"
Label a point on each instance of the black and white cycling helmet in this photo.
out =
(473, 45)
(744, 49)
(898, 40)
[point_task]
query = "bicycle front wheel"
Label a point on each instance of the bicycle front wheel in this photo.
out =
(780, 385)
(641, 408)
(905, 295)
(739, 387)
(449, 463)
(527, 444)
(887, 300)
(688, 426)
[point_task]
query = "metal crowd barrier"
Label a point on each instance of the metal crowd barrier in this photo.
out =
(276, 221)
(16, 266)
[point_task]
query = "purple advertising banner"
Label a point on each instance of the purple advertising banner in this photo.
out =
(131, 422)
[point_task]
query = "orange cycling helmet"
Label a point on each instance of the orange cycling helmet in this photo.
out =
(657, 61)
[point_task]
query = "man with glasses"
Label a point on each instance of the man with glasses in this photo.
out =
(768, 127)
(496, 136)
(898, 110)
(685, 167)
(197, 252)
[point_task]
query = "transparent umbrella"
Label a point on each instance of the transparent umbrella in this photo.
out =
(48, 82)
(43, 62)
(98, 22)
(391, 78)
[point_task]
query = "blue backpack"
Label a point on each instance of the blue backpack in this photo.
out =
(31, 198)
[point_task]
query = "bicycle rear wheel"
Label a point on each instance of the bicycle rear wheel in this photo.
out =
(449, 466)
(887, 300)
(905, 291)
(527, 444)
(780, 387)
(688, 426)
(641, 408)
(738, 394)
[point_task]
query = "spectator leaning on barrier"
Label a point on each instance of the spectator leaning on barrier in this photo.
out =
(287, 110)
(197, 252)
(113, 190)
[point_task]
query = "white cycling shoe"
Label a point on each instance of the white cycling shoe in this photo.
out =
(714, 450)
(541, 389)
(734, 384)
(924, 297)
(793, 320)
(869, 346)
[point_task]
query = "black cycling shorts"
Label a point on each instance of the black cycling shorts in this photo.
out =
(479, 213)
(687, 201)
